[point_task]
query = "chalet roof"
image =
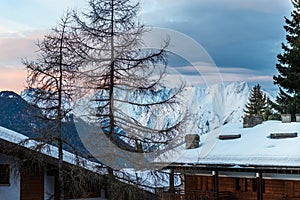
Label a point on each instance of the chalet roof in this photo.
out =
(15, 138)
(48, 150)
(255, 147)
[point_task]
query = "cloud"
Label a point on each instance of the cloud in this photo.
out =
(252, 5)
(9, 26)
(243, 36)
(258, 5)
(210, 74)
(15, 46)
(12, 79)
(243, 74)
(25, 15)
(59, 6)
(260, 78)
(235, 33)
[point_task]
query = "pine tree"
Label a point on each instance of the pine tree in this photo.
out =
(257, 102)
(288, 66)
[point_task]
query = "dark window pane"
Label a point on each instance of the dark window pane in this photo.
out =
(237, 184)
(254, 185)
(4, 174)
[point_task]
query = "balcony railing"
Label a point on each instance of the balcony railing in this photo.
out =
(193, 195)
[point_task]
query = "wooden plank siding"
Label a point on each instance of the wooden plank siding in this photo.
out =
(203, 183)
(32, 186)
(244, 188)
(226, 184)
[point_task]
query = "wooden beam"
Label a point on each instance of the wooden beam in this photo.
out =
(194, 168)
(283, 135)
(216, 183)
(229, 137)
(171, 177)
(259, 186)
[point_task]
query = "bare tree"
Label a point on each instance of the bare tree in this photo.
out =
(107, 41)
(52, 77)
(119, 65)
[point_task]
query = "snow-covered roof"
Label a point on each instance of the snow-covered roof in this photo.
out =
(49, 150)
(253, 148)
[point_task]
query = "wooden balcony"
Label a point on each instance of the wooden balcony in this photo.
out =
(193, 195)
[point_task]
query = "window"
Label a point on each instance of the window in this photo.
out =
(246, 184)
(254, 185)
(241, 184)
(4, 174)
(237, 184)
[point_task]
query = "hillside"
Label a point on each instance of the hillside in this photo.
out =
(20, 116)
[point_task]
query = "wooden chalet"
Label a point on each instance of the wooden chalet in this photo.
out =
(238, 163)
(36, 179)
(28, 174)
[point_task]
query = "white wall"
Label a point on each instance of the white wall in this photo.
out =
(11, 191)
(49, 186)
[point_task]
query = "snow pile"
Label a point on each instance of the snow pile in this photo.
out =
(255, 147)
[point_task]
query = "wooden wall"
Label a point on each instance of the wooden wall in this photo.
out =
(32, 186)
(277, 189)
(203, 183)
(246, 188)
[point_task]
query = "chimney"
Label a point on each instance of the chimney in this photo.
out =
(192, 141)
(297, 117)
(286, 118)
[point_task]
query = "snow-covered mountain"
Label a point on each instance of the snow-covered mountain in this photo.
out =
(209, 107)
(216, 105)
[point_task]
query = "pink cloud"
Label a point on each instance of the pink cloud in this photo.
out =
(13, 79)
(213, 74)
(14, 47)
(260, 78)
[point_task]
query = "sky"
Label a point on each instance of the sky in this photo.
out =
(243, 37)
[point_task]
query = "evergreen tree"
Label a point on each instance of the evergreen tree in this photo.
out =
(288, 66)
(257, 102)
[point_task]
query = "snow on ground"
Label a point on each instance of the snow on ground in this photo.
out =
(255, 147)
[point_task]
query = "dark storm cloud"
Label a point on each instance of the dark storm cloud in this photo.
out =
(245, 34)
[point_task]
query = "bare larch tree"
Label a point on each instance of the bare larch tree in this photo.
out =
(52, 77)
(123, 73)
(118, 65)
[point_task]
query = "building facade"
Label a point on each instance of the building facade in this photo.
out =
(37, 178)
(263, 162)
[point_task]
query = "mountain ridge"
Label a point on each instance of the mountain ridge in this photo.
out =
(210, 108)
